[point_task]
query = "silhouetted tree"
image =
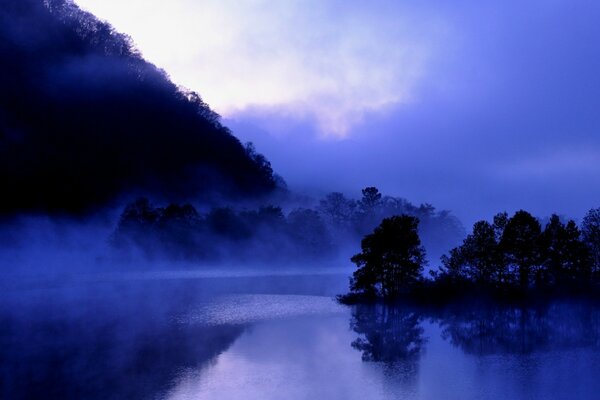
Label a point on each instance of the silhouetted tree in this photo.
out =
(369, 211)
(396, 206)
(263, 234)
(138, 214)
(391, 261)
(578, 257)
(553, 243)
(371, 198)
(179, 227)
(590, 229)
(137, 225)
(500, 221)
(263, 165)
(309, 232)
(225, 222)
(565, 257)
(270, 216)
(520, 244)
(478, 259)
(339, 210)
(353, 219)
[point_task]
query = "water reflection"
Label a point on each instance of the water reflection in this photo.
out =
(136, 337)
(230, 339)
(393, 337)
(522, 330)
(389, 334)
(102, 342)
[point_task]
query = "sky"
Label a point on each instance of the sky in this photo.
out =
(477, 107)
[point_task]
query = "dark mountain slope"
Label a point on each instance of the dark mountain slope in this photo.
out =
(84, 118)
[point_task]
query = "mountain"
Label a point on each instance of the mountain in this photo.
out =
(85, 119)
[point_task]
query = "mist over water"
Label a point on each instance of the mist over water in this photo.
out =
(221, 283)
(153, 336)
(79, 320)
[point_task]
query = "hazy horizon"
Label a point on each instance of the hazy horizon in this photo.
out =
(474, 108)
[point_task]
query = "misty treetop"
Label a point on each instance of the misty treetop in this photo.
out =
(268, 233)
(265, 234)
(84, 118)
(438, 230)
(508, 256)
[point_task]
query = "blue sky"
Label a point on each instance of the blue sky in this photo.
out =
(473, 106)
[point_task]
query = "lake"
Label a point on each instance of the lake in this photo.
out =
(185, 335)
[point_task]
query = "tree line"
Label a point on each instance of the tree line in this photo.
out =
(439, 230)
(182, 232)
(509, 256)
(269, 233)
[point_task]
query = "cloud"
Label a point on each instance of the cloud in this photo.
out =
(330, 61)
(475, 120)
(557, 163)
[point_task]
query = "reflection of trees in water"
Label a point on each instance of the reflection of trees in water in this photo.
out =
(114, 349)
(394, 334)
(509, 330)
(387, 334)
(393, 337)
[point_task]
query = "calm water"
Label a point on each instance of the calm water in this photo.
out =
(181, 336)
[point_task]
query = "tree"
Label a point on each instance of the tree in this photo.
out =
(553, 247)
(520, 245)
(371, 198)
(226, 223)
(137, 225)
(577, 259)
(370, 210)
(392, 259)
(590, 229)
(500, 221)
(477, 260)
(338, 210)
(565, 257)
(309, 233)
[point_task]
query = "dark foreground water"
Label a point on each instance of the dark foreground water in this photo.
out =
(183, 336)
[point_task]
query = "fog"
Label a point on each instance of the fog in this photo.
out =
(176, 336)
(145, 252)
(502, 117)
(82, 318)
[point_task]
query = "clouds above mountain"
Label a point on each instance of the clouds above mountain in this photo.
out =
(328, 61)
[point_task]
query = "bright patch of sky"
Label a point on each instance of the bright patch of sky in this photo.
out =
(474, 106)
(328, 61)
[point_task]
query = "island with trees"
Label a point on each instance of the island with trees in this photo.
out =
(508, 258)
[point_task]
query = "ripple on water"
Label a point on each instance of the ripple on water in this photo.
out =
(242, 309)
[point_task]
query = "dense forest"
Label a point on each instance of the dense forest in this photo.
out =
(510, 256)
(85, 119)
(270, 234)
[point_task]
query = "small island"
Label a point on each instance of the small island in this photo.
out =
(510, 258)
